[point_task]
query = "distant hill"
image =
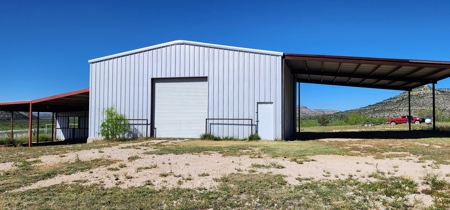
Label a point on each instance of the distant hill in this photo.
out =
(306, 112)
(17, 115)
(421, 99)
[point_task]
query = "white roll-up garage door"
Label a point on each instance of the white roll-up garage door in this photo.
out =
(181, 107)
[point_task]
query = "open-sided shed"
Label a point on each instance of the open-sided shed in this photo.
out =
(64, 107)
(381, 73)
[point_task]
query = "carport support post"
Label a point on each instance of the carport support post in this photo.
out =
(12, 126)
(53, 124)
(409, 109)
(37, 134)
(30, 125)
(298, 105)
(434, 109)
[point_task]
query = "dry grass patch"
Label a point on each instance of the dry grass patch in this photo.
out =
(27, 173)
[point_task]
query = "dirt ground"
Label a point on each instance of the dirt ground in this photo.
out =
(200, 170)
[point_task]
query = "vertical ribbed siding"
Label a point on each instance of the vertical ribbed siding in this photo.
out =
(236, 82)
(62, 125)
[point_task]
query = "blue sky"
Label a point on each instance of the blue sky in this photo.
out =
(45, 45)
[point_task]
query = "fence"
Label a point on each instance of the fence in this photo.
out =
(137, 128)
(16, 133)
(226, 122)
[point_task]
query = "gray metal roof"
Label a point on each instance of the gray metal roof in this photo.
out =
(177, 42)
(383, 73)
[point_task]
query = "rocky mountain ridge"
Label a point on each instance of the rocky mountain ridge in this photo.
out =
(421, 99)
(305, 111)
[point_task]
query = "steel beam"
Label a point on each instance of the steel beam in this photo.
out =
(409, 109)
(30, 125)
(434, 109)
(37, 134)
(12, 127)
(53, 124)
(298, 99)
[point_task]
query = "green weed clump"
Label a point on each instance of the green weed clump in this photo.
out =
(207, 136)
(266, 166)
(439, 190)
(14, 142)
(216, 138)
(254, 136)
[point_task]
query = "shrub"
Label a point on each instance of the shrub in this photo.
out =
(323, 121)
(308, 123)
(115, 125)
(254, 136)
(207, 136)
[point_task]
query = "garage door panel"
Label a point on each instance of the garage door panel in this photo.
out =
(180, 107)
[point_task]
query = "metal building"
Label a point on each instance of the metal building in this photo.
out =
(182, 89)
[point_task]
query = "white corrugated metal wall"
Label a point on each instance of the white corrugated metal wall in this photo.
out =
(237, 80)
(63, 129)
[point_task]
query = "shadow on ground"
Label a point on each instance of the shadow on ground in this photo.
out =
(65, 142)
(303, 136)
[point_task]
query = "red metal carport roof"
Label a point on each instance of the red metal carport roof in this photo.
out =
(66, 102)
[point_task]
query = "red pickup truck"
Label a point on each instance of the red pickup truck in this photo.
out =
(404, 119)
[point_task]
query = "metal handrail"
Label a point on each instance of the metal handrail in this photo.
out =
(208, 119)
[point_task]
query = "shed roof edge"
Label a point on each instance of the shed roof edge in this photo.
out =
(201, 44)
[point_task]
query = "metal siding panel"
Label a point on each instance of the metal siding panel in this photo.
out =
(234, 92)
(220, 93)
(231, 95)
(98, 99)
(162, 59)
(259, 76)
(241, 93)
(144, 84)
(176, 62)
(209, 68)
(226, 92)
(267, 71)
(116, 88)
(123, 85)
(251, 80)
(109, 96)
(276, 66)
(116, 84)
(191, 61)
(138, 87)
(201, 61)
(172, 60)
(246, 91)
(130, 71)
(132, 86)
(215, 90)
(157, 66)
(101, 93)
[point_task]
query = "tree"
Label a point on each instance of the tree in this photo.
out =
(323, 121)
(429, 113)
(115, 125)
(353, 119)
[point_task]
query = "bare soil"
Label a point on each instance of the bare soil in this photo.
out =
(201, 170)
